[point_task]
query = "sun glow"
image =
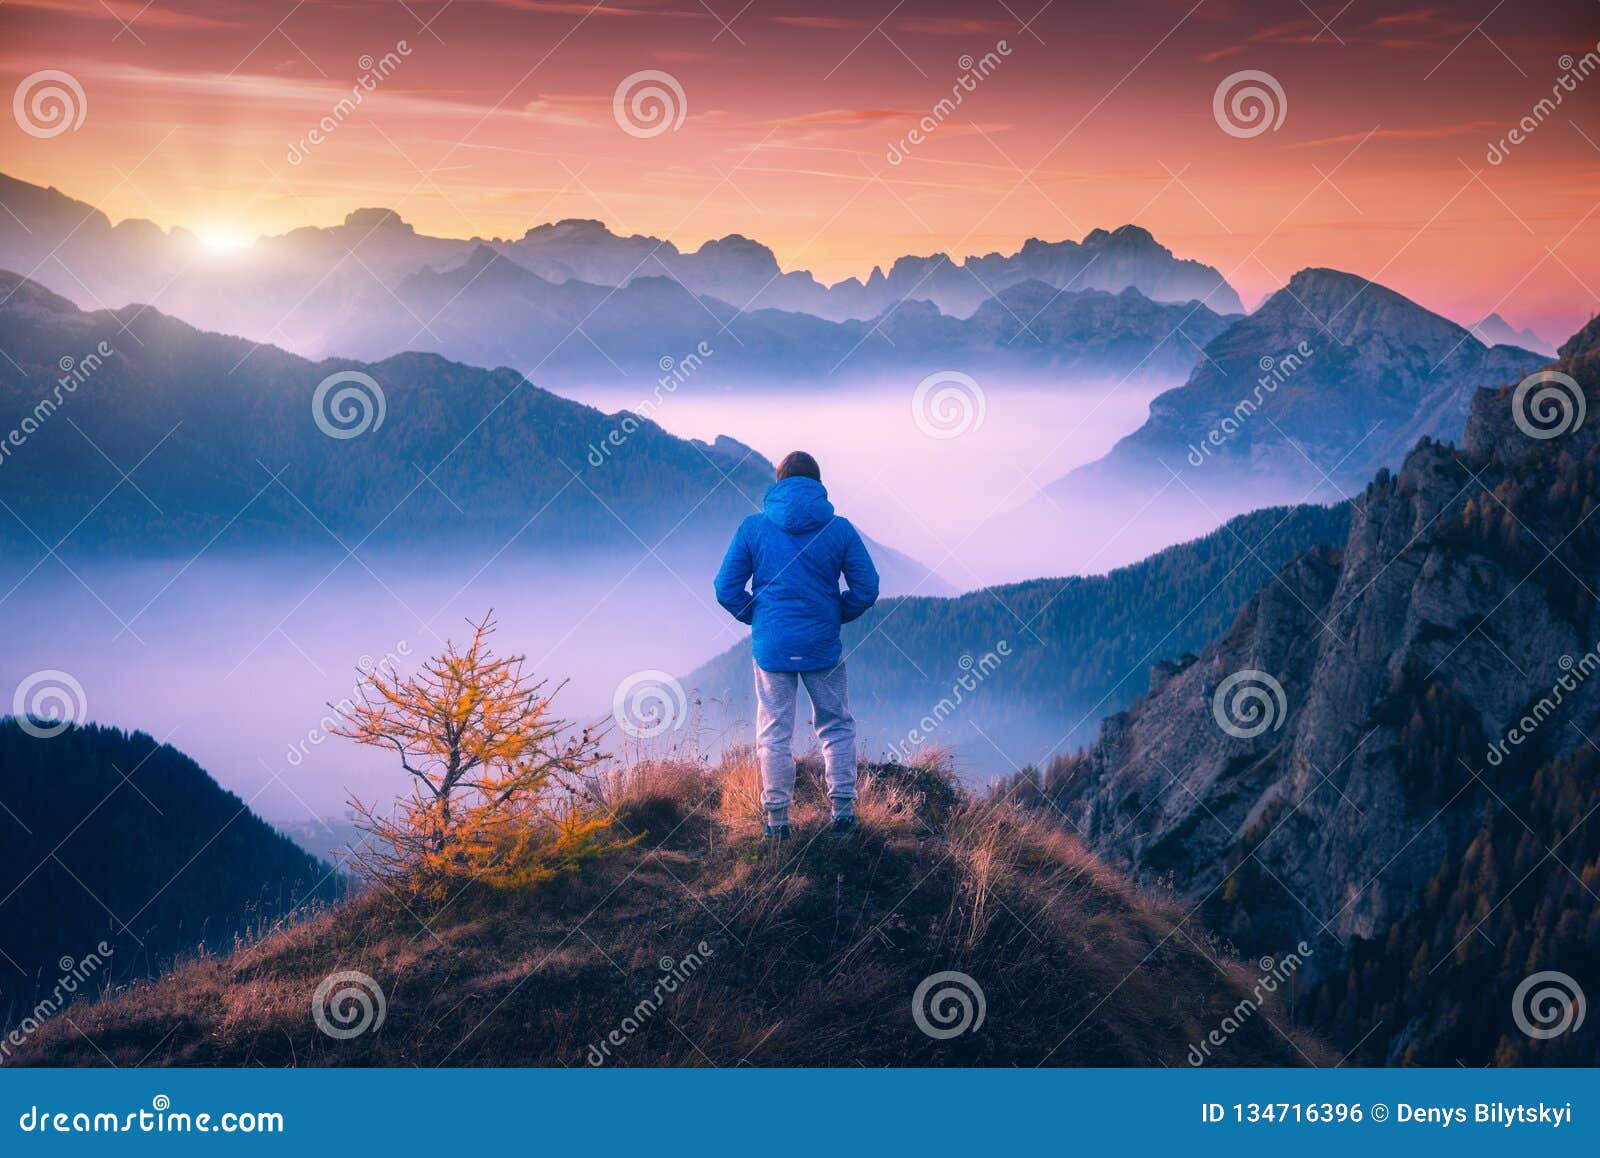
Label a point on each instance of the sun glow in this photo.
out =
(222, 239)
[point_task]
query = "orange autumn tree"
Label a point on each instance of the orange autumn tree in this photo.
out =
(497, 781)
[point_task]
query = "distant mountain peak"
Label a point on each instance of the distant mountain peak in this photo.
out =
(1494, 330)
(744, 250)
(1129, 235)
(1344, 305)
(374, 218)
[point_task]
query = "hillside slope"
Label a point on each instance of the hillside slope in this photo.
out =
(1419, 795)
(701, 946)
(233, 445)
(1075, 649)
(111, 838)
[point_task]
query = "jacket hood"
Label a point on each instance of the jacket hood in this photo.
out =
(798, 505)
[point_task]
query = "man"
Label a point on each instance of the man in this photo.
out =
(791, 556)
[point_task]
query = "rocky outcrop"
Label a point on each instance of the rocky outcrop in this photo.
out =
(1310, 771)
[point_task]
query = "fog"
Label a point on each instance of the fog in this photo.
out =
(908, 488)
(233, 660)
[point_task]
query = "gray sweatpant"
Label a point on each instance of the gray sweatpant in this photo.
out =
(776, 692)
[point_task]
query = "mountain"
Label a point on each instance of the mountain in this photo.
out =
(372, 286)
(230, 446)
(739, 270)
(1389, 751)
(949, 932)
(1008, 675)
(656, 332)
(1496, 331)
(121, 854)
(1330, 379)
(1111, 260)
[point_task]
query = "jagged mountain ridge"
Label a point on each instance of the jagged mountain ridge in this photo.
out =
(1493, 330)
(314, 288)
(593, 332)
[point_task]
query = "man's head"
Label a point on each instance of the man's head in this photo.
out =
(799, 464)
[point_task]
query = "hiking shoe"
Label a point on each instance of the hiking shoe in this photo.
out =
(844, 825)
(777, 832)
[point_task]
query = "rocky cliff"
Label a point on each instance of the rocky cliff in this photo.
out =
(1341, 764)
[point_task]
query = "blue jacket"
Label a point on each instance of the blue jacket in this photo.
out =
(792, 555)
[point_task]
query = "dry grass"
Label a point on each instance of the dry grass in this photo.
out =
(813, 950)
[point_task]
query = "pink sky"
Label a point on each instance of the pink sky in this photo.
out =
(499, 116)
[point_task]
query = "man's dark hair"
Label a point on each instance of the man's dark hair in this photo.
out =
(799, 464)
